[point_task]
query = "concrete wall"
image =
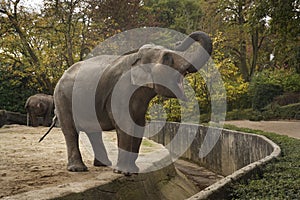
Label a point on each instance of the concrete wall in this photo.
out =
(232, 151)
(7, 117)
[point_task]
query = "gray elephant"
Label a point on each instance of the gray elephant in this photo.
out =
(126, 86)
(39, 105)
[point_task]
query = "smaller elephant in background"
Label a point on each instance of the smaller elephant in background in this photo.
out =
(39, 105)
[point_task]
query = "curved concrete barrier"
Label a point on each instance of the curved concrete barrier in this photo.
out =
(235, 155)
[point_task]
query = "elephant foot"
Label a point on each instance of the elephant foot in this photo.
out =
(127, 171)
(98, 163)
(116, 171)
(77, 168)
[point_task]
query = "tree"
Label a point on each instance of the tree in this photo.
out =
(246, 30)
(119, 15)
(19, 41)
(285, 25)
(183, 16)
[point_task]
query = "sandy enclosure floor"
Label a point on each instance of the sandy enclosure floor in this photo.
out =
(26, 164)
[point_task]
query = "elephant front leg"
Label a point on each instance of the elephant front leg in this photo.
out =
(128, 150)
(34, 120)
(100, 153)
(27, 119)
(47, 119)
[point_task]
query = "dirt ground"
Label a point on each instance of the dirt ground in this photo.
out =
(26, 164)
(284, 127)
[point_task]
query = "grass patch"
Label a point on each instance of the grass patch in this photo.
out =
(147, 143)
(279, 179)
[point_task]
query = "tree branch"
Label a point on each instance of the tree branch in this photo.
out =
(3, 11)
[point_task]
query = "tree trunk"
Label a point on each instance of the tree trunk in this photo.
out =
(255, 47)
(242, 43)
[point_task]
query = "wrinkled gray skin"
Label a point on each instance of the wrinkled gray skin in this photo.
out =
(138, 103)
(39, 105)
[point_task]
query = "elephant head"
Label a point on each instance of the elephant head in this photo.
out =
(163, 69)
(39, 105)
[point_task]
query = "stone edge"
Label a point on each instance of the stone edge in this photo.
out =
(220, 185)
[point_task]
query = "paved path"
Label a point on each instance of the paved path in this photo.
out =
(284, 127)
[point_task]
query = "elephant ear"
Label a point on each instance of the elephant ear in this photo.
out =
(141, 74)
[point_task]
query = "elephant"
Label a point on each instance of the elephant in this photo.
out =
(39, 105)
(141, 67)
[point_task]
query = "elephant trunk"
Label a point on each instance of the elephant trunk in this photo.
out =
(199, 57)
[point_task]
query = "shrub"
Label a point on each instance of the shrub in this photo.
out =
(287, 98)
(264, 94)
(269, 83)
(291, 111)
(274, 111)
(270, 112)
(245, 114)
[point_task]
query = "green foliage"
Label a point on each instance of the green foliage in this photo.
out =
(245, 114)
(235, 85)
(269, 83)
(279, 179)
(36, 48)
(179, 15)
(270, 112)
(264, 94)
(287, 98)
(15, 88)
(284, 27)
(164, 109)
(274, 111)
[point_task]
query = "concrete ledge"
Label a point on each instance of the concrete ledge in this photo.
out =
(234, 155)
(7, 117)
(166, 183)
(215, 191)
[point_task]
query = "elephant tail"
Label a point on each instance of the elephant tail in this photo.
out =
(54, 120)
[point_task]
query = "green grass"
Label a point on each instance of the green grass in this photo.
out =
(147, 143)
(279, 179)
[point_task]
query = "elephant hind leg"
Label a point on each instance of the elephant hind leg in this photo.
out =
(101, 158)
(75, 163)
